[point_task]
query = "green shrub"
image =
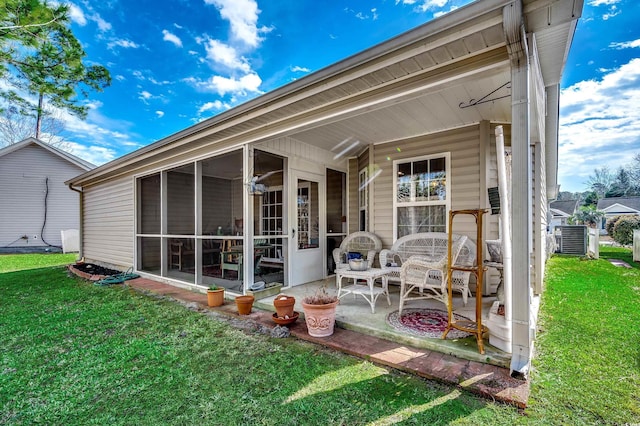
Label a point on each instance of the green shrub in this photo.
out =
(610, 224)
(623, 229)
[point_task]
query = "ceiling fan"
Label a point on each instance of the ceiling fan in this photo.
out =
(257, 188)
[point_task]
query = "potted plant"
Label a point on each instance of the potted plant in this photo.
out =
(320, 313)
(244, 304)
(215, 296)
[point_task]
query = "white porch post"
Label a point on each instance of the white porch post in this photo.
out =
(521, 219)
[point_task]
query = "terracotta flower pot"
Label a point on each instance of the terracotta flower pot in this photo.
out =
(215, 297)
(284, 305)
(320, 319)
(244, 304)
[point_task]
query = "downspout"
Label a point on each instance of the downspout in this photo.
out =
(505, 232)
(521, 218)
(81, 228)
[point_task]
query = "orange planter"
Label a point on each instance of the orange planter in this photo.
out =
(215, 297)
(284, 305)
(244, 304)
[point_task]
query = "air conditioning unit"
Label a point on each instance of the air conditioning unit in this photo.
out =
(572, 239)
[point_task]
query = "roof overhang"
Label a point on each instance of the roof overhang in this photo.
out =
(421, 82)
(85, 165)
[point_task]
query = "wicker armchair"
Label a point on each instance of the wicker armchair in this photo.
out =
(428, 274)
(365, 243)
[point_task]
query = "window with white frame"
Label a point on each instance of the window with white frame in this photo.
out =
(422, 194)
(363, 198)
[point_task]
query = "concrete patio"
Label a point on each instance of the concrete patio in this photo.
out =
(363, 334)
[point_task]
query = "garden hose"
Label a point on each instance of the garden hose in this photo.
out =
(117, 278)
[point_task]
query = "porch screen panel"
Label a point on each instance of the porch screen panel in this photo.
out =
(149, 202)
(181, 201)
(422, 195)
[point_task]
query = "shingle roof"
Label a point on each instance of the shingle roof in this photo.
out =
(631, 202)
(565, 206)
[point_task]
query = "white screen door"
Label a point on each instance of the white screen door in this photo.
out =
(307, 228)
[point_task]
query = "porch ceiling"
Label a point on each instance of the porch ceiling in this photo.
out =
(435, 110)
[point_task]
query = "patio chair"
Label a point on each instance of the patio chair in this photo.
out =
(362, 243)
(428, 275)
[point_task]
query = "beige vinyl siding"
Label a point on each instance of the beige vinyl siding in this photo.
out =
(353, 195)
(23, 175)
(464, 176)
(108, 233)
(290, 147)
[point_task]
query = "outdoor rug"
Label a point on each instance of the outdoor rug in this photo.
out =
(429, 323)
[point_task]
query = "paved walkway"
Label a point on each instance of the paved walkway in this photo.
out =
(483, 379)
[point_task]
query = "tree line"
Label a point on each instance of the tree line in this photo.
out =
(603, 183)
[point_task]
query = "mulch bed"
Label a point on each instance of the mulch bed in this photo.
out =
(91, 271)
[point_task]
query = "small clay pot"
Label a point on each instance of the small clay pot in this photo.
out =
(215, 297)
(244, 304)
(284, 305)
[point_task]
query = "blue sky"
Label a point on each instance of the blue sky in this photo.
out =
(175, 63)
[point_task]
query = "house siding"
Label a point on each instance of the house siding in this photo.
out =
(463, 144)
(108, 234)
(23, 182)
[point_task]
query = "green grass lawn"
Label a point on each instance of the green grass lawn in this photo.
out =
(587, 367)
(19, 262)
(75, 353)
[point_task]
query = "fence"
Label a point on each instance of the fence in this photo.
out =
(594, 243)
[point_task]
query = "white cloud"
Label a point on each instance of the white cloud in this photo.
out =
(171, 38)
(144, 96)
(444, 12)
(235, 86)
(177, 26)
(94, 154)
(124, 43)
(599, 124)
(625, 44)
(77, 15)
(243, 18)
(160, 114)
(158, 83)
(612, 13)
(102, 24)
(226, 55)
(213, 106)
(120, 77)
(300, 69)
(596, 3)
(193, 52)
(424, 5)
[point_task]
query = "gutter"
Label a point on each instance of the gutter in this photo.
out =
(81, 227)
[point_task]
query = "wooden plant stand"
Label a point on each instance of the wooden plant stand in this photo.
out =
(474, 327)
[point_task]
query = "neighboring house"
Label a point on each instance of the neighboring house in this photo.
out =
(618, 206)
(560, 211)
(388, 140)
(36, 203)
